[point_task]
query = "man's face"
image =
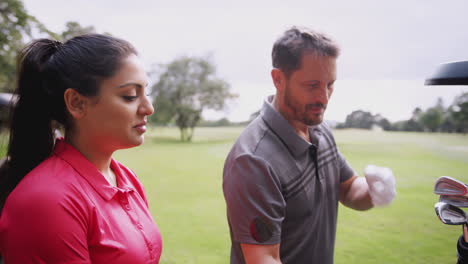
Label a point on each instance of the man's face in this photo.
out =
(309, 88)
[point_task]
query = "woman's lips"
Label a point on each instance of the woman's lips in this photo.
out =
(141, 127)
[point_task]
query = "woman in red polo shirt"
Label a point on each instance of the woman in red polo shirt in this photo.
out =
(67, 200)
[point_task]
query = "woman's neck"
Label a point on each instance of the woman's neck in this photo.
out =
(99, 157)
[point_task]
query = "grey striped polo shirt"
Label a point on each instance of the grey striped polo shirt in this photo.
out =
(273, 194)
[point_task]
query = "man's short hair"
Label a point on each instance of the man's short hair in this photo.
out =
(291, 46)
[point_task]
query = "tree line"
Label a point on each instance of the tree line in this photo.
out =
(186, 86)
(438, 118)
(182, 90)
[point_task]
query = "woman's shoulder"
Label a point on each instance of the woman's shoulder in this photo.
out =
(51, 183)
(51, 173)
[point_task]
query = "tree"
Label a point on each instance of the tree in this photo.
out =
(432, 119)
(222, 122)
(417, 112)
(411, 125)
(16, 27)
(74, 29)
(359, 119)
(385, 124)
(186, 87)
(459, 112)
(448, 125)
(440, 104)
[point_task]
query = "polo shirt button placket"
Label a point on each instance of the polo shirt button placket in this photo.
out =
(124, 201)
(151, 251)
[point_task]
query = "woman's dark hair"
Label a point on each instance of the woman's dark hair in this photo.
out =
(45, 69)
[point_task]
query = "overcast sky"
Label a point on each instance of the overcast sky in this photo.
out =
(388, 47)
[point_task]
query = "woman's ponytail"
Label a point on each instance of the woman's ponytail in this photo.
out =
(31, 133)
(46, 68)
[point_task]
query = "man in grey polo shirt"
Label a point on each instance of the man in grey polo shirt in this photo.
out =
(284, 175)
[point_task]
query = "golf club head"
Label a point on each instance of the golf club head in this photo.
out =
(459, 201)
(449, 214)
(449, 186)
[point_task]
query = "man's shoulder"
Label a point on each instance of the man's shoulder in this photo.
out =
(251, 135)
(255, 140)
(260, 146)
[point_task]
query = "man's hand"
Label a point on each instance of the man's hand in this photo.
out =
(381, 184)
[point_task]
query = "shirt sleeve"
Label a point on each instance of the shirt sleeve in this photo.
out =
(255, 204)
(344, 169)
(346, 172)
(43, 229)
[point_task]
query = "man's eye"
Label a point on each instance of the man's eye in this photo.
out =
(129, 97)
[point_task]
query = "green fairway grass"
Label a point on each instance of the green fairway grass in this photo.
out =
(407, 231)
(183, 183)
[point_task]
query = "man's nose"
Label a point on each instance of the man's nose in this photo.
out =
(323, 95)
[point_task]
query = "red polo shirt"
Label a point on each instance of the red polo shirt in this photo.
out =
(65, 211)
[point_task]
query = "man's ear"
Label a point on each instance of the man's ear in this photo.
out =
(279, 79)
(75, 103)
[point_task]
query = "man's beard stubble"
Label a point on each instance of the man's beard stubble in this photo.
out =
(301, 114)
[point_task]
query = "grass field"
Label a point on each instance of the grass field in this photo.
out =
(183, 183)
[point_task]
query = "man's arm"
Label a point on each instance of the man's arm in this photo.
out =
(261, 254)
(376, 189)
(354, 193)
(255, 208)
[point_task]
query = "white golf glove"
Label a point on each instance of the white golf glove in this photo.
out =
(381, 184)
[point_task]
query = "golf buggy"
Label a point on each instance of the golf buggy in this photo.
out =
(453, 193)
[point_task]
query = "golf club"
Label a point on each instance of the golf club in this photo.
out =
(449, 186)
(459, 201)
(449, 214)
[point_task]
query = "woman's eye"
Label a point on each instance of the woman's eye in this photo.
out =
(129, 97)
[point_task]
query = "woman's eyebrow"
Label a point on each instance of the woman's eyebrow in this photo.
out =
(130, 84)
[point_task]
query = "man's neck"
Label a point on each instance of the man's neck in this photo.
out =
(300, 128)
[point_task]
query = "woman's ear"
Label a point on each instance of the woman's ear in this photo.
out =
(75, 103)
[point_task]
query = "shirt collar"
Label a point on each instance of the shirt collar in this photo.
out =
(89, 172)
(281, 127)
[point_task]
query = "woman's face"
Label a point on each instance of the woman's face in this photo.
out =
(117, 117)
